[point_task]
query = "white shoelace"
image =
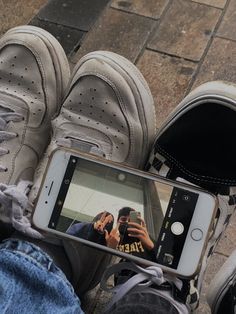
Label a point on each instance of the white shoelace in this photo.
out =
(145, 277)
(14, 204)
(13, 199)
(5, 117)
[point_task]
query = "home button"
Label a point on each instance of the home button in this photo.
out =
(197, 234)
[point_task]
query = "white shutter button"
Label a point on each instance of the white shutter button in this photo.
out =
(177, 228)
(196, 234)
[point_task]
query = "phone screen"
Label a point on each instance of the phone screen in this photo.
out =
(96, 201)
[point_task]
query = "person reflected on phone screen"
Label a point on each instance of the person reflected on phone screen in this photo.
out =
(131, 237)
(95, 231)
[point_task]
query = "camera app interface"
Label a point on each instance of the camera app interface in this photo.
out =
(123, 211)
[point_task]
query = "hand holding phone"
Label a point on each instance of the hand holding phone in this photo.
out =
(139, 230)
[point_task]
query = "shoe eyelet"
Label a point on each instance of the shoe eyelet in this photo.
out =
(6, 169)
(17, 135)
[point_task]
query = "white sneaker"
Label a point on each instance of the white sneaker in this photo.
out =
(34, 73)
(109, 105)
(109, 110)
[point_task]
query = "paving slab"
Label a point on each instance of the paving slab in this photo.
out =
(14, 12)
(229, 22)
(168, 78)
(80, 14)
(96, 300)
(219, 63)
(185, 30)
(119, 32)
(226, 244)
(150, 8)
(215, 3)
(69, 38)
(214, 265)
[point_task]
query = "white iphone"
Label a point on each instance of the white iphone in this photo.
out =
(93, 201)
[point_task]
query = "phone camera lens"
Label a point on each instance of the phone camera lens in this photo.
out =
(74, 161)
(67, 181)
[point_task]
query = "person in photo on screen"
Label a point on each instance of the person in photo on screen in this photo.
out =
(95, 231)
(131, 237)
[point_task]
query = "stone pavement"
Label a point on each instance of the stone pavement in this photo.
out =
(177, 45)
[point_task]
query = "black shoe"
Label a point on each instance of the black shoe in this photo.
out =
(196, 145)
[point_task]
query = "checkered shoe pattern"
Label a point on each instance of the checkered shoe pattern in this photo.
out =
(158, 164)
(195, 145)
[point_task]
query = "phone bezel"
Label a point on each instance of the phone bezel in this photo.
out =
(187, 266)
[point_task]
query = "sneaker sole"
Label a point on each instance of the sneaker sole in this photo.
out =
(57, 54)
(221, 282)
(139, 88)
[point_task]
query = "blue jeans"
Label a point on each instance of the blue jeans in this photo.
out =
(31, 283)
